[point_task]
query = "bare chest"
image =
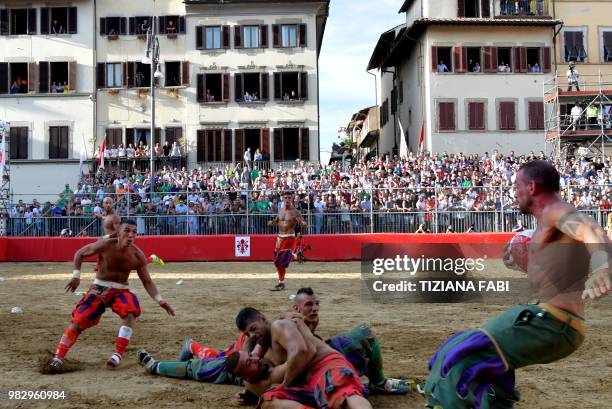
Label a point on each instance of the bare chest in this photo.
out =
(286, 216)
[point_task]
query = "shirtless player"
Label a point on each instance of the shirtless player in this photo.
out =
(118, 257)
(294, 352)
(110, 225)
(286, 221)
(475, 368)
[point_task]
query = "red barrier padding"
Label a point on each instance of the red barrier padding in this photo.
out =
(223, 248)
(4, 249)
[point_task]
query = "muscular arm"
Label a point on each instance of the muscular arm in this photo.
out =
(299, 219)
(579, 227)
(275, 377)
(90, 250)
(585, 229)
(299, 353)
(149, 285)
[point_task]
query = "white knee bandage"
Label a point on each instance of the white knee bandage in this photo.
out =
(125, 332)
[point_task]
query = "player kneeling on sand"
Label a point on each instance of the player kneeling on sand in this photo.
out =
(475, 368)
(118, 257)
(298, 370)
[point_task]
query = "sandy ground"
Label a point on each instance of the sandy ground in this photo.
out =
(206, 304)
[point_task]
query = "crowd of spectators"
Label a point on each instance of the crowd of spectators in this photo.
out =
(387, 194)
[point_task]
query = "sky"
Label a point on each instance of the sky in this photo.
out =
(352, 30)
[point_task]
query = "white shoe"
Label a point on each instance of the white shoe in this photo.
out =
(114, 361)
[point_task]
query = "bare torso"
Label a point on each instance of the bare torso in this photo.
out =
(287, 219)
(117, 263)
(278, 355)
(558, 265)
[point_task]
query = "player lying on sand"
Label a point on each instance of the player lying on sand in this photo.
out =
(360, 346)
(118, 257)
(298, 368)
(475, 368)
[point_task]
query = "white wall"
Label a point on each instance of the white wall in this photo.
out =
(414, 11)
(411, 109)
(42, 180)
(386, 140)
(440, 9)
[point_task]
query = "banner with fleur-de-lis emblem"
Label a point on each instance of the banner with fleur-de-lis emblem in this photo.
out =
(242, 246)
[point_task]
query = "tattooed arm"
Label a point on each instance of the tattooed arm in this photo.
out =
(585, 229)
(581, 227)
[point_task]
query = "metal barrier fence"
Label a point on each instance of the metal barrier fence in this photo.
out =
(318, 223)
(248, 212)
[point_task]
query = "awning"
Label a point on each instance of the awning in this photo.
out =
(370, 139)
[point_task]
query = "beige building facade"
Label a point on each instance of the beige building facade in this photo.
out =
(469, 74)
(586, 36)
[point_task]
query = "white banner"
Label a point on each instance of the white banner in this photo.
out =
(242, 246)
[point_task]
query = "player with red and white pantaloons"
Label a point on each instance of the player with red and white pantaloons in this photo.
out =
(118, 257)
(287, 219)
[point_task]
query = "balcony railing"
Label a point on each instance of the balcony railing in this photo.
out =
(140, 163)
(259, 164)
(521, 8)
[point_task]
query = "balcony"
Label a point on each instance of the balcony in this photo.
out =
(522, 9)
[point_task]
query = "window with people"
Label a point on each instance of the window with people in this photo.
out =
(58, 20)
(171, 25)
(441, 59)
(290, 86)
(15, 77)
(490, 60)
(213, 87)
(140, 25)
(112, 27)
(251, 87)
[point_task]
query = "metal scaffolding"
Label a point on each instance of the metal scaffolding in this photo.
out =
(5, 182)
(574, 133)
